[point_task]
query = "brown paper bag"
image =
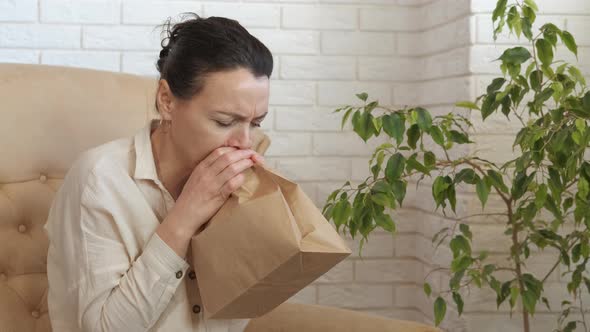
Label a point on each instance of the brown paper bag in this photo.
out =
(265, 244)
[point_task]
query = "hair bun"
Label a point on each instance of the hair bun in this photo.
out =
(164, 52)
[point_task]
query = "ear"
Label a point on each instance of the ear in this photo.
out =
(165, 99)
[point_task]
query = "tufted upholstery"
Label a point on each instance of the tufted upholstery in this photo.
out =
(49, 115)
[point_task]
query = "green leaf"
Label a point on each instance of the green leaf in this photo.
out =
(570, 327)
(515, 56)
(395, 167)
(527, 23)
(382, 199)
(363, 125)
(496, 84)
(467, 104)
(424, 118)
(550, 32)
(399, 190)
(381, 187)
(529, 300)
(377, 125)
(585, 170)
(536, 78)
(345, 117)
(459, 302)
(341, 212)
(521, 184)
(412, 163)
(513, 296)
(569, 42)
(394, 126)
(429, 159)
(437, 135)
(451, 193)
(413, 135)
(464, 228)
(489, 105)
(439, 185)
(482, 192)
(543, 96)
(544, 299)
(385, 222)
(575, 72)
(456, 280)
(545, 51)
(427, 289)
(500, 10)
(532, 4)
(459, 137)
(541, 196)
(362, 96)
(514, 21)
(440, 309)
(460, 246)
(497, 180)
(466, 175)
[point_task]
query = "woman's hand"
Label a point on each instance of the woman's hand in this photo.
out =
(211, 183)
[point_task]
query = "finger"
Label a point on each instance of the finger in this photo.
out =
(234, 169)
(231, 185)
(230, 158)
(215, 155)
(259, 159)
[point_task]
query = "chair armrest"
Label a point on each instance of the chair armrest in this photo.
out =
(294, 317)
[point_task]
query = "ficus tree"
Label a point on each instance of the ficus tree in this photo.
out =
(545, 189)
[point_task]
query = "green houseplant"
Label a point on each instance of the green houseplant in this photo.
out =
(545, 189)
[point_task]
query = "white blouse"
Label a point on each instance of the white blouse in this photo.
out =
(107, 268)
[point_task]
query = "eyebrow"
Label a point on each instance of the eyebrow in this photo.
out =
(241, 117)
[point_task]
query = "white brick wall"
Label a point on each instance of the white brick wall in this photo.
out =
(401, 52)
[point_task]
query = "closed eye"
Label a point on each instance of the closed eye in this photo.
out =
(225, 125)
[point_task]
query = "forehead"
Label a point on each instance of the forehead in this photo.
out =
(237, 89)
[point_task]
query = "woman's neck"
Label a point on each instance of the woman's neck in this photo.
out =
(169, 167)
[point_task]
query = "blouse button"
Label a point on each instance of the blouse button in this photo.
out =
(196, 308)
(192, 275)
(178, 274)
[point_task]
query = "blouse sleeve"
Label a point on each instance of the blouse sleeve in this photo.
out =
(116, 292)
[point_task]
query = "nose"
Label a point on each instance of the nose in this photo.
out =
(241, 139)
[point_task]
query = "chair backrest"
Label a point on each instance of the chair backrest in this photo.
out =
(49, 115)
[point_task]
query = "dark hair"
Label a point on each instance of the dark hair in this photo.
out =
(199, 46)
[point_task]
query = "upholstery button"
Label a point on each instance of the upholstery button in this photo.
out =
(192, 275)
(196, 308)
(178, 274)
(3, 277)
(35, 314)
(43, 178)
(22, 228)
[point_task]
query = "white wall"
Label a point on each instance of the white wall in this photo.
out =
(402, 52)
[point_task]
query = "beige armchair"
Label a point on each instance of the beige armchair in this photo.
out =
(49, 115)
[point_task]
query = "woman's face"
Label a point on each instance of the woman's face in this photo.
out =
(225, 112)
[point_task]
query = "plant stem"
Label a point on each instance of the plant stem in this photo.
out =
(582, 311)
(517, 263)
(482, 214)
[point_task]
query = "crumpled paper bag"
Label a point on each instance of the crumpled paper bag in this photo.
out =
(266, 243)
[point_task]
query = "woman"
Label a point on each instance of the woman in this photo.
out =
(120, 224)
